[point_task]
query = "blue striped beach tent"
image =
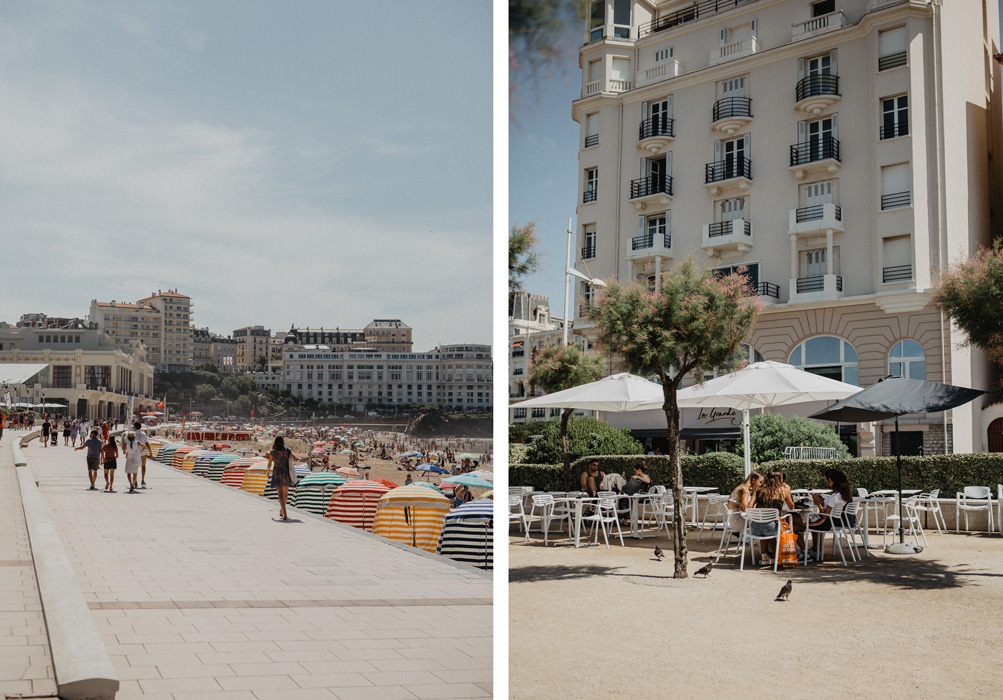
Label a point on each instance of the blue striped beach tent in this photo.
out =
(466, 534)
(201, 467)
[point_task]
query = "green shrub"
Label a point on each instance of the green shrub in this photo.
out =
(770, 433)
(518, 432)
(586, 436)
(517, 453)
(722, 470)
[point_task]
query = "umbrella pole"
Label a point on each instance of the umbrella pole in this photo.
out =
(898, 468)
(745, 440)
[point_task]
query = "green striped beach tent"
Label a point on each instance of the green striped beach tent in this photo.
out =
(313, 492)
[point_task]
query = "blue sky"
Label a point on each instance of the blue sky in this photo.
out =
(316, 163)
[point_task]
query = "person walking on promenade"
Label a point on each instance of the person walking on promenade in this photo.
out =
(66, 432)
(104, 430)
(74, 432)
(280, 479)
(109, 458)
(46, 429)
(133, 459)
(3, 422)
(144, 442)
(93, 446)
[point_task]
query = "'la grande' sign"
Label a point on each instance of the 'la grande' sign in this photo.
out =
(717, 417)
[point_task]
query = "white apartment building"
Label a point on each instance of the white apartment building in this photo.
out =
(454, 376)
(160, 322)
(252, 343)
(844, 151)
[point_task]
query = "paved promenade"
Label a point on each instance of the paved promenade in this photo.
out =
(198, 593)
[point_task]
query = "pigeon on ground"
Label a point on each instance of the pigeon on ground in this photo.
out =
(785, 591)
(705, 571)
(659, 553)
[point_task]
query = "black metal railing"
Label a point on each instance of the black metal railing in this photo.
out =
(732, 107)
(816, 284)
(653, 184)
(818, 149)
(814, 213)
(768, 289)
(591, 140)
(898, 199)
(647, 240)
(590, 195)
(896, 273)
(816, 85)
(588, 252)
(892, 60)
(656, 126)
(899, 128)
(700, 9)
(728, 168)
(725, 228)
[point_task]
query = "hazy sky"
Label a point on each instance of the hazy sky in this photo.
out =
(317, 163)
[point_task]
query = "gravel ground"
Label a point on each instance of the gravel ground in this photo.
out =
(598, 623)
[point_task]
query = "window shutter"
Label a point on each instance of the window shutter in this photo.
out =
(724, 37)
(668, 106)
(801, 132)
(800, 69)
(644, 167)
(747, 142)
(835, 126)
(640, 227)
(668, 222)
(717, 151)
(644, 111)
(668, 163)
(752, 27)
(832, 63)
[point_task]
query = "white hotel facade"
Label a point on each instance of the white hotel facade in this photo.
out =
(843, 150)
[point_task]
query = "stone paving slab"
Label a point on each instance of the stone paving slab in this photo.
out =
(197, 592)
(25, 660)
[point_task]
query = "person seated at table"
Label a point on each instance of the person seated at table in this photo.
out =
(770, 495)
(592, 478)
(841, 494)
(741, 499)
(788, 500)
(639, 482)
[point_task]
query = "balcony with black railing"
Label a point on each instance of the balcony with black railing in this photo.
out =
(816, 212)
(896, 273)
(768, 289)
(894, 129)
(817, 218)
(589, 252)
(895, 200)
(729, 114)
(649, 245)
(722, 174)
(651, 185)
(814, 94)
(815, 155)
(832, 284)
(727, 235)
(892, 60)
(591, 140)
(590, 195)
(698, 10)
(654, 135)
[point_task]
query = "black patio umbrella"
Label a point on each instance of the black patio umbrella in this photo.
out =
(892, 397)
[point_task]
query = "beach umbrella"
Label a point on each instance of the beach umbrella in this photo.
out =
(387, 483)
(221, 446)
(354, 503)
(484, 474)
(431, 455)
(360, 444)
(617, 392)
(412, 515)
(470, 480)
(466, 535)
(319, 443)
(892, 397)
(411, 454)
(347, 452)
(489, 494)
(348, 471)
(427, 484)
(319, 453)
(244, 450)
(468, 455)
(429, 467)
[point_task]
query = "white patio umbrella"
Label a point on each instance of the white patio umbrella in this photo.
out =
(617, 392)
(760, 385)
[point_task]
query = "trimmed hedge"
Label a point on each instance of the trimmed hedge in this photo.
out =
(722, 470)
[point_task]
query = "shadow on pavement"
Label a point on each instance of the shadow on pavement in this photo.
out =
(534, 574)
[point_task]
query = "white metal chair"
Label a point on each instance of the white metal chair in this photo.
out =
(605, 514)
(974, 498)
(762, 516)
(912, 523)
(516, 512)
(726, 534)
(852, 524)
(649, 506)
(716, 512)
(665, 512)
(548, 513)
(930, 503)
(836, 528)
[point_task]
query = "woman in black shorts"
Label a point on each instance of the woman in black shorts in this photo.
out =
(109, 459)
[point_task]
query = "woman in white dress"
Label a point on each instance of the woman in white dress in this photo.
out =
(133, 459)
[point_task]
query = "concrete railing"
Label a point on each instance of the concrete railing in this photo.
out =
(82, 668)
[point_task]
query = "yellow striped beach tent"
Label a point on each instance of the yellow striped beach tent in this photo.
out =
(233, 473)
(188, 461)
(255, 478)
(466, 534)
(412, 515)
(218, 464)
(313, 491)
(354, 503)
(156, 446)
(203, 460)
(179, 455)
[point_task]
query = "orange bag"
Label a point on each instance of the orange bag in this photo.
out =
(788, 545)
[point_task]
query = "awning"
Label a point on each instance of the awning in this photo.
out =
(733, 433)
(19, 372)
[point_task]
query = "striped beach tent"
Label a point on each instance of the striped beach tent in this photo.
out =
(188, 461)
(201, 466)
(354, 503)
(412, 515)
(233, 473)
(156, 446)
(179, 455)
(255, 478)
(313, 492)
(466, 535)
(166, 453)
(218, 464)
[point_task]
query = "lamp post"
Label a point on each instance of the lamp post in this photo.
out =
(570, 272)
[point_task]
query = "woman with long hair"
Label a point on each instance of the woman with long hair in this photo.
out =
(741, 499)
(133, 459)
(770, 495)
(109, 459)
(278, 462)
(841, 494)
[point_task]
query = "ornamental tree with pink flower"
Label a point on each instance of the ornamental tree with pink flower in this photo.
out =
(695, 324)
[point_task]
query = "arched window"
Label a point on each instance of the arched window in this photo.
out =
(827, 356)
(745, 352)
(907, 359)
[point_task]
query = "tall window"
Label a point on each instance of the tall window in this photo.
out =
(895, 187)
(827, 356)
(589, 247)
(892, 44)
(591, 130)
(895, 117)
(657, 229)
(591, 185)
(907, 359)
